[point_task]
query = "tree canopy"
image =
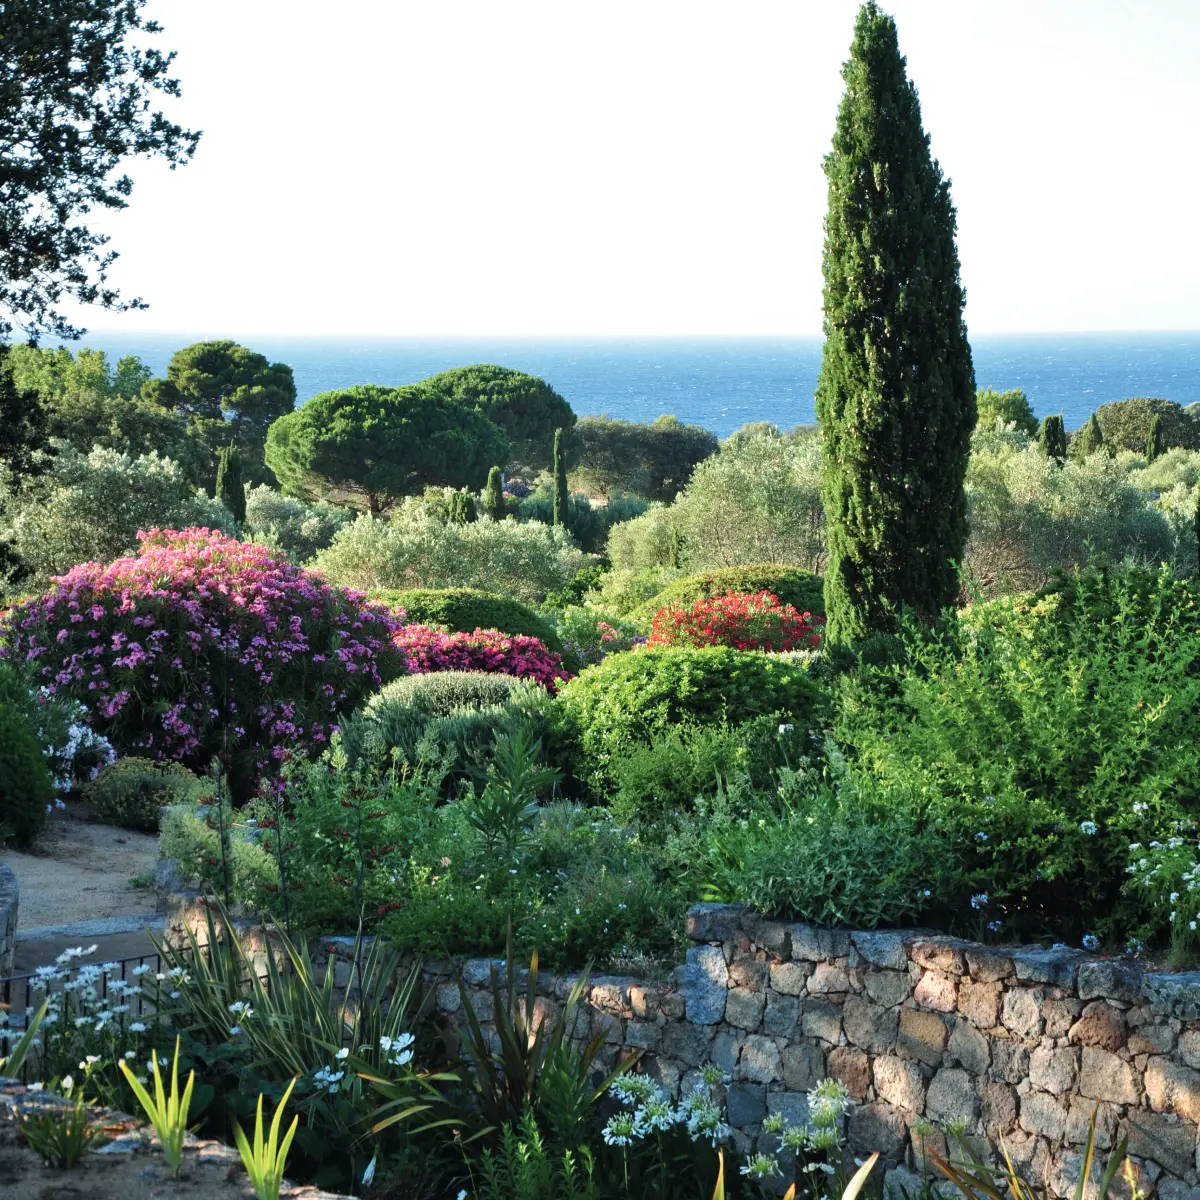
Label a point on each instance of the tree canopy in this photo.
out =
(1011, 407)
(527, 408)
(367, 446)
(77, 96)
(896, 394)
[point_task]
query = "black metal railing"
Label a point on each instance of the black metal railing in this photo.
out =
(21, 993)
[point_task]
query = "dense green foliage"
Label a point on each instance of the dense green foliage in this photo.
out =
(415, 548)
(1052, 437)
(1011, 407)
(493, 494)
(131, 791)
(1126, 424)
(562, 494)
(26, 789)
(287, 524)
(80, 89)
(652, 460)
(1089, 439)
(588, 524)
(527, 408)
(801, 589)
(1155, 439)
(625, 699)
(896, 394)
(231, 490)
(467, 609)
(368, 446)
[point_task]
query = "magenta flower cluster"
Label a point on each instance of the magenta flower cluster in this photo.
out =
(426, 649)
(204, 646)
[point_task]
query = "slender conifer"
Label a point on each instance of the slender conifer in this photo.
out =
(562, 497)
(493, 495)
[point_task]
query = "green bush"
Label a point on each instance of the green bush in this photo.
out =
(290, 525)
(26, 789)
(131, 791)
(1009, 407)
(622, 701)
(447, 717)
(589, 524)
(463, 610)
(802, 589)
(1126, 424)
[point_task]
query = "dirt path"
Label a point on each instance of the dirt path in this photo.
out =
(79, 870)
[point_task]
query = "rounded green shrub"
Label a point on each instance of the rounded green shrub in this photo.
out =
(26, 789)
(463, 610)
(624, 700)
(801, 589)
(130, 792)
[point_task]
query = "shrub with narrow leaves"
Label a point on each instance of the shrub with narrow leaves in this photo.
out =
(427, 649)
(203, 645)
(742, 620)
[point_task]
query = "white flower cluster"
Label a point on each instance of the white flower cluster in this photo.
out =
(828, 1103)
(397, 1052)
(652, 1111)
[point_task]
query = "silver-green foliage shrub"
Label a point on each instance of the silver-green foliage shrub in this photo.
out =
(287, 524)
(131, 791)
(413, 548)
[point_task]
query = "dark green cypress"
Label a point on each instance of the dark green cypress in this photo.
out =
(1091, 437)
(1052, 437)
(896, 396)
(462, 508)
(493, 495)
(562, 497)
(231, 488)
(1196, 523)
(1155, 441)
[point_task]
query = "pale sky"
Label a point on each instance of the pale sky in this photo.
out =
(422, 167)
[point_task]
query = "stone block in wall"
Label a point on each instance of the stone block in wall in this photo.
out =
(803, 1066)
(726, 1047)
(979, 1002)
(952, 1096)
(1172, 1087)
(760, 1060)
(1173, 995)
(792, 1106)
(827, 979)
(899, 1081)
(449, 999)
(1176, 1189)
(687, 1042)
(643, 1035)
(877, 1127)
(942, 954)
(969, 1047)
(1079, 1118)
(810, 944)
(1021, 1011)
(1189, 1047)
(1066, 1170)
(869, 1026)
(714, 922)
(664, 1072)
(1043, 1115)
(781, 1015)
(1104, 1076)
(1056, 966)
(936, 990)
(889, 988)
(1010, 1061)
(610, 993)
(998, 1108)
(704, 983)
(1060, 1015)
(1151, 1039)
(821, 1020)
(1170, 1143)
(645, 1001)
(748, 971)
(744, 1008)
(790, 978)
(745, 1104)
(768, 934)
(1031, 1156)
(881, 949)
(1113, 979)
(1053, 1070)
(988, 966)
(921, 1035)
(852, 1068)
(1099, 1025)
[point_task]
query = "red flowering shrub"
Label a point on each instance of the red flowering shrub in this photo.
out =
(427, 650)
(741, 620)
(203, 646)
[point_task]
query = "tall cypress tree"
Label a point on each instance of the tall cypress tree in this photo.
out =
(1156, 442)
(1052, 437)
(1091, 437)
(493, 495)
(896, 396)
(562, 497)
(231, 488)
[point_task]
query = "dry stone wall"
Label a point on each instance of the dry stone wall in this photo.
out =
(10, 895)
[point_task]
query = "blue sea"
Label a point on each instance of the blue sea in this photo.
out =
(717, 382)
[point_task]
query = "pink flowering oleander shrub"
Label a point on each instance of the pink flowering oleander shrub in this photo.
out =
(426, 649)
(204, 646)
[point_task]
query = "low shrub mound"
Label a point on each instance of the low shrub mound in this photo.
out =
(204, 646)
(803, 590)
(131, 791)
(26, 789)
(452, 715)
(426, 649)
(622, 701)
(464, 610)
(742, 620)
